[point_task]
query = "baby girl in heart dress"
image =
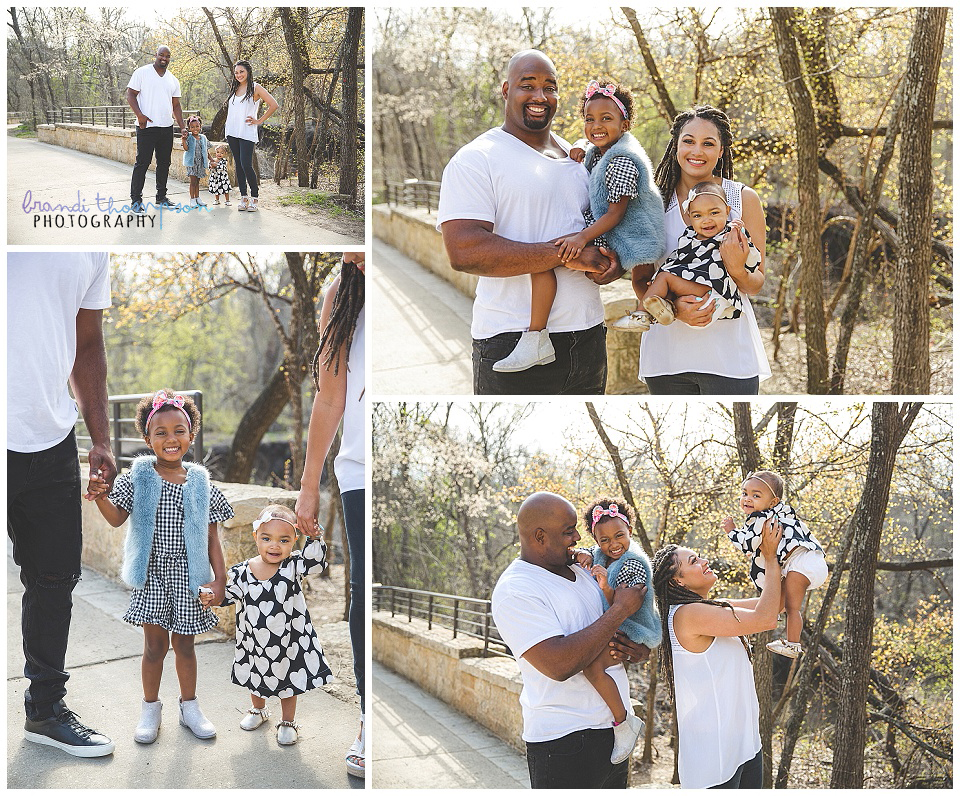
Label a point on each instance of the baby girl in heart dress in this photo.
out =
(278, 653)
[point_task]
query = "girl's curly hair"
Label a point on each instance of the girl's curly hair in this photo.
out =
(621, 92)
(146, 406)
(605, 503)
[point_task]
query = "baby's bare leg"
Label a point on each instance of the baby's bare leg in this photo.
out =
(640, 276)
(544, 290)
(683, 287)
(288, 708)
(596, 673)
(794, 590)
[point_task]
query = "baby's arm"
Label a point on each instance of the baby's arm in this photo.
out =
(313, 557)
(747, 537)
(579, 150)
(600, 576)
(99, 491)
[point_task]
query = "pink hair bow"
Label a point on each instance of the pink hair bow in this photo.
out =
(161, 399)
(613, 511)
(594, 87)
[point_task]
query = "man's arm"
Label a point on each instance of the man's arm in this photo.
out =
(134, 104)
(473, 248)
(178, 115)
(89, 383)
(561, 657)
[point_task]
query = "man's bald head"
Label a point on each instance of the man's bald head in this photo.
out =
(528, 60)
(547, 526)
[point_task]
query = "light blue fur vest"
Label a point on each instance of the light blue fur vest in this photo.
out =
(640, 237)
(147, 485)
(643, 627)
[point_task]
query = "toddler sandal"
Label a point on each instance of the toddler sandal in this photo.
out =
(356, 758)
(660, 308)
(287, 733)
(253, 718)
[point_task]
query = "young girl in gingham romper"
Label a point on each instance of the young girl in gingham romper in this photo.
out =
(172, 545)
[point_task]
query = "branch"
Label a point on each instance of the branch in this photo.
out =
(667, 109)
(909, 566)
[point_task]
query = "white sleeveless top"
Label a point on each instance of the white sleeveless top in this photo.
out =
(718, 716)
(729, 347)
(350, 461)
(237, 112)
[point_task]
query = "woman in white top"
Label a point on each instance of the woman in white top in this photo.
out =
(707, 665)
(728, 357)
(242, 129)
(339, 373)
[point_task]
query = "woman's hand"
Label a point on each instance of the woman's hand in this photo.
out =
(308, 504)
(770, 538)
(694, 311)
(252, 120)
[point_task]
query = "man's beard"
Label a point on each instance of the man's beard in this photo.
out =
(536, 124)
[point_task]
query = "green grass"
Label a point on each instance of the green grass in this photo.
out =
(24, 132)
(316, 200)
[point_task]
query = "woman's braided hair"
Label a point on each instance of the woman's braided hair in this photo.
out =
(337, 336)
(668, 170)
(668, 592)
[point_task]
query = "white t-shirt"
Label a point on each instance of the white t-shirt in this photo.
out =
(156, 94)
(45, 290)
(238, 109)
(529, 198)
(730, 347)
(718, 716)
(349, 464)
(531, 605)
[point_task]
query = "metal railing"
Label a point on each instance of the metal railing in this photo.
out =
(99, 115)
(126, 448)
(414, 193)
(466, 616)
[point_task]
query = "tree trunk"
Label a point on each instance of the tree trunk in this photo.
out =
(256, 421)
(911, 322)
(296, 39)
(348, 145)
(889, 423)
(808, 212)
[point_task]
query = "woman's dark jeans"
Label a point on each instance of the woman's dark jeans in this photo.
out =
(353, 518)
(749, 775)
(578, 760)
(43, 520)
(242, 150)
(701, 384)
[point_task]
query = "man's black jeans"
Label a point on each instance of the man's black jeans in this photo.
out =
(152, 140)
(578, 760)
(580, 368)
(43, 520)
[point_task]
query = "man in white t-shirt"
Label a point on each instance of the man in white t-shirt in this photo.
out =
(504, 198)
(550, 613)
(55, 304)
(153, 95)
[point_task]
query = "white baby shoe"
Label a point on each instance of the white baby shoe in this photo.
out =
(253, 718)
(149, 724)
(533, 348)
(287, 733)
(193, 719)
(625, 736)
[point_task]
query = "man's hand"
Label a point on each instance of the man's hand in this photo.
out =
(627, 651)
(142, 121)
(100, 458)
(694, 311)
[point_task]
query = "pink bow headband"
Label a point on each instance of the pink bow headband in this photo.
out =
(594, 87)
(160, 400)
(599, 512)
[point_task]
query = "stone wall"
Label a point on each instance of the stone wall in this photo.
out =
(413, 232)
(116, 143)
(452, 669)
(103, 544)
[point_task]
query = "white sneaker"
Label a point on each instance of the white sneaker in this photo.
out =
(625, 736)
(253, 718)
(533, 348)
(193, 719)
(149, 725)
(635, 320)
(243, 203)
(356, 759)
(789, 649)
(287, 733)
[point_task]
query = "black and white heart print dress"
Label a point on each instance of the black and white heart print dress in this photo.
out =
(278, 653)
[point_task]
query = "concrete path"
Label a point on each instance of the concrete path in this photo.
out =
(61, 176)
(104, 690)
(421, 324)
(419, 742)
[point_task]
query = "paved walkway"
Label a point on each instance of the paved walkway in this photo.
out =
(61, 176)
(422, 329)
(420, 742)
(104, 689)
